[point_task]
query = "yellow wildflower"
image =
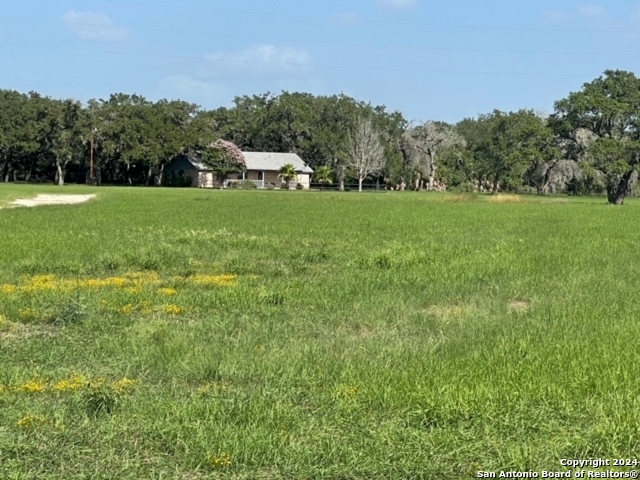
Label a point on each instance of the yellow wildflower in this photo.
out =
(27, 314)
(125, 384)
(72, 384)
(144, 278)
(33, 386)
(30, 421)
(146, 308)
(168, 291)
(40, 282)
(226, 280)
(128, 309)
(347, 391)
(221, 460)
(8, 289)
(172, 309)
(42, 279)
(117, 281)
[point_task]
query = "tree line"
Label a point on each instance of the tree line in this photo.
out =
(589, 144)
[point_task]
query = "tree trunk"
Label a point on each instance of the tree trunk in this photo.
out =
(360, 184)
(619, 188)
(149, 175)
(339, 174)
(159, 177)
(59, 174)
(129, 174)
(432, 170)
(495, 187)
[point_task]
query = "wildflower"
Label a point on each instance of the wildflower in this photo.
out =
(40, 282)
(145, 278)
(119, 282)
(128, 309)
(146, 308)
(72, 384)
(221, 460)
(30, 421)
(168, 291)
(8, 289)
(226, 280)
(347, 391)
(172, 309)
(42, 279)
(32, 386)
(27, 314)
(125, 384)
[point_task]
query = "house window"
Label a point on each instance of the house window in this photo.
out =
(260, 176)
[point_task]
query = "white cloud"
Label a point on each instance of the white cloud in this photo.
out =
(398, 4)
(93, 26)
(592, 10)
(349, 19)
(258, 61)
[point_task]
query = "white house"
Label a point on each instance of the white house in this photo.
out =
(262, 169)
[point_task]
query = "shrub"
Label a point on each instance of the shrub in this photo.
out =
(243, 185)
(299, 186)
(100, 398)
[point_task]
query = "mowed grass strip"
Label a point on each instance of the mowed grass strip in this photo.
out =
(159, 333)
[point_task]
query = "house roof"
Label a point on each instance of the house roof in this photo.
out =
(198, 163)
(270, 161)
(261, 161)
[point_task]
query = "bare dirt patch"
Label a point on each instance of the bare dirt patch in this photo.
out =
(51, 200)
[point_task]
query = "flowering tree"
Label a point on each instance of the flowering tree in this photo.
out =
(224, 158)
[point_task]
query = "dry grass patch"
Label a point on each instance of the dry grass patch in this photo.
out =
(504, 199)
(518, 306)
(449, 313)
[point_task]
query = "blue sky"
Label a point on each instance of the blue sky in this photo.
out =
(430, 59)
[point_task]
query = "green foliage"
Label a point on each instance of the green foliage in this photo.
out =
(287, 173)
(323, 175)
(100, 399)
(608, 108)
(244, 185)
(504, 145)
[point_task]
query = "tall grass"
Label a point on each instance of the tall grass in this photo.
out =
(206, 334)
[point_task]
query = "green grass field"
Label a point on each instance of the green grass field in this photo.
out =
(189, 334)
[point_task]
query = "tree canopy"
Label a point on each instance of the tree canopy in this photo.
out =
(592, 139)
